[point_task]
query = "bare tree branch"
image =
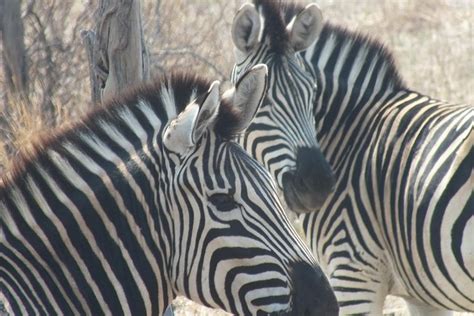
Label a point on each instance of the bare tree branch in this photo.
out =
(89, 39)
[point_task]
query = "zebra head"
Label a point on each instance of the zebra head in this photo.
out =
(146, 198)
(233, 246)
(283, 135)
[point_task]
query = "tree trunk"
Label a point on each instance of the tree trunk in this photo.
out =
(14, 57)
(116, 50)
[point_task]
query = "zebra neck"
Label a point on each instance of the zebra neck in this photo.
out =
(355, 75)
(81, 229)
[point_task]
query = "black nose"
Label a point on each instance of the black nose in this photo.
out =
(309, 185)
(312, 293)
(314, 170)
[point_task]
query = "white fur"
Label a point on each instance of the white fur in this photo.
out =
(184, 131)
(305, 27)
(248, 94)
(246, 28)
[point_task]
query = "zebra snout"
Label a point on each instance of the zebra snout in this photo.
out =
(308, 186)
(312, 293)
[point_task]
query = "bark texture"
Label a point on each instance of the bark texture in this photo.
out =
(116, 50)
(13, 53)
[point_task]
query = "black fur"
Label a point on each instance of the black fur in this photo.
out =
(277, 14)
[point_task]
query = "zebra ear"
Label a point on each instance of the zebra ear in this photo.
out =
(208, 111)
(246, 28)
(305, 27)
(248, 94)
(186, 129)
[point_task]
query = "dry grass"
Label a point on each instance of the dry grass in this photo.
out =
(24, 125)
(432, 40)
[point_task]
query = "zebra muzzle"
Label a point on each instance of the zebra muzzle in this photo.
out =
(313, 294)
(307, 187)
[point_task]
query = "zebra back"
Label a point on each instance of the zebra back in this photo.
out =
(403, 161)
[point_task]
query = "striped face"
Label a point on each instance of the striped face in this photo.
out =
(283, 135)
(233, 246)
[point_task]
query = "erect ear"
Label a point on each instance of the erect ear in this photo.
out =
(305, 27)
(187, 128)
(248, 94)
(246, 28)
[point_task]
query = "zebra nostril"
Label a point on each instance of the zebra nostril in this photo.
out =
(307, 187)
(312, 292)
(314, 172)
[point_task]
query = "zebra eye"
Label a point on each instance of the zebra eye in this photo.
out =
(223, 202)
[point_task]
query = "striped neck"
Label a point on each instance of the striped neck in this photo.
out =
(355, 74)
(95, 180)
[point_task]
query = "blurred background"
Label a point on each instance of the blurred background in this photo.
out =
(432, 41)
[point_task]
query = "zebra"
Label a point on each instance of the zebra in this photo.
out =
(284, 137)
(147, 198)
(400, 218)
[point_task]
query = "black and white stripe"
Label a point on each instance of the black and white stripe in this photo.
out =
(401, 216)
(134, 205)
(400, 219)
(280, 127)
(283, 135)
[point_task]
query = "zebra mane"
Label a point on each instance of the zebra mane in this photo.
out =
(184, 87)
(277, 14)
(344, 37)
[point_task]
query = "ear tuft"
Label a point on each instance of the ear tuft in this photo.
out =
(305, 27)
(184, 131)
(177, 136)
(246, 28)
